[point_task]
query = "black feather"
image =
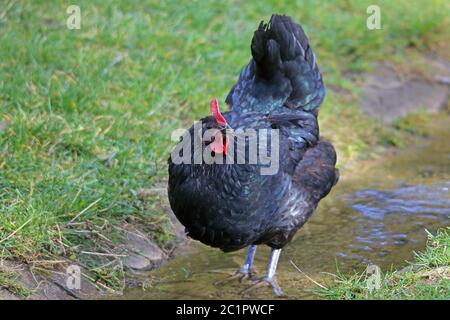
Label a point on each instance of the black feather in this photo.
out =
(282, 71)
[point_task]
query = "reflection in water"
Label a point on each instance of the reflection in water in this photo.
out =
(378, 217)
(404, 201)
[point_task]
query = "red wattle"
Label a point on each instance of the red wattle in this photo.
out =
(218, 145)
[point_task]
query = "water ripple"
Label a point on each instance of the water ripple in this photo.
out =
(398, 216)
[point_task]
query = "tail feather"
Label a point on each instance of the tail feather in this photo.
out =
(283, 71)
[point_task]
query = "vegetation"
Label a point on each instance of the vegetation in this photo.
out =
(428, 277)
(86, 115)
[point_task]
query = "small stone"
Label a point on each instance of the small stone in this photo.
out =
(137, 262)
(6, 295)
(143, 253)
(169, 246)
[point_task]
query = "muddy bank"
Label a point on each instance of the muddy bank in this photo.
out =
(392, 92)
(51, 280)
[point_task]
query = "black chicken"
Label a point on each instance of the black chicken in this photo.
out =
(233, 205)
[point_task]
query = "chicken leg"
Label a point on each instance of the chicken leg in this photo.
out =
(246, 271)
(269, 278)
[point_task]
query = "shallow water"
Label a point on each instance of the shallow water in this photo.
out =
(376, 216)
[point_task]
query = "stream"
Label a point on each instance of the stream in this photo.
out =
(377, 214)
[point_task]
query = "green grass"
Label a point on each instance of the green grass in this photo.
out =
(427, 277)
(88, 113)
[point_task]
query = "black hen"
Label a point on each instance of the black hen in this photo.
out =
(234, 204)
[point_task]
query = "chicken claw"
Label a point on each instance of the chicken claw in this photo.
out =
(264, 282)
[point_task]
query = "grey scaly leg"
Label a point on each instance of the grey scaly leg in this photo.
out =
(269, 278)
(248, 262)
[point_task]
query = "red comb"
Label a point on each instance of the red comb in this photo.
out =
(214, 106)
